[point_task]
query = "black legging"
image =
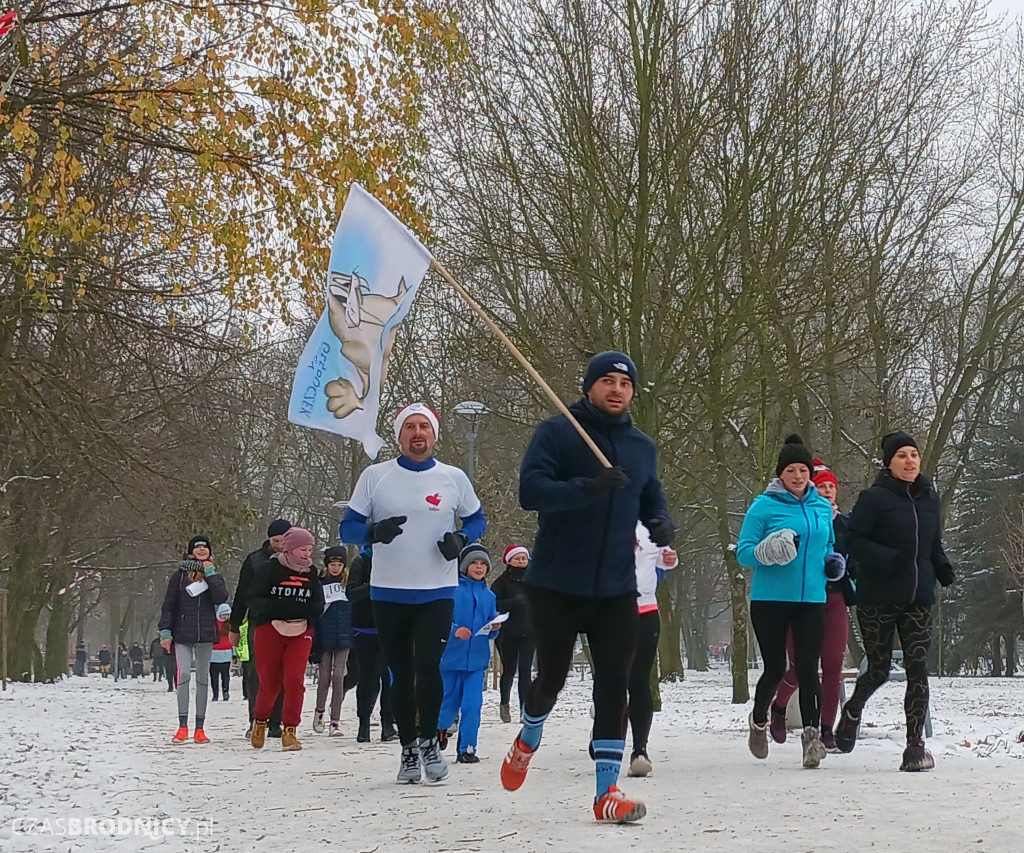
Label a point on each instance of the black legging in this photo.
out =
(610, 626)
(223, 672)
(373, 680)
(878, 625)
(516, 656)
(413, 637)
(772, 620)
(641, 700)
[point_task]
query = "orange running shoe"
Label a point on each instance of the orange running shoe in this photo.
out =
(181, 735)
(515, 765)
(616, 807)
(200, 736)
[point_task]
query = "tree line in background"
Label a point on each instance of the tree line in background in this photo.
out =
(794, 216)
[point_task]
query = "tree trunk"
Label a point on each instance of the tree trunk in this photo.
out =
(55, 664)
(997, 657)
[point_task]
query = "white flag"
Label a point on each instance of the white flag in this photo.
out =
(374, 275)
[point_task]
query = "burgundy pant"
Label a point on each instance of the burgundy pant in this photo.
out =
(281, 664)
(833, 648)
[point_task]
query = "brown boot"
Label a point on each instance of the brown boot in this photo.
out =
(259, 733)
(289, 742)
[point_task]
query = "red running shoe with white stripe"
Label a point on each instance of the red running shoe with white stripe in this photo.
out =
(616, 807)
(515, 765)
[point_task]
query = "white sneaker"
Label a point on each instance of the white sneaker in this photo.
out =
(409, 770)
(318, 722)
(435, 768)
(640, 765)
(335, 730)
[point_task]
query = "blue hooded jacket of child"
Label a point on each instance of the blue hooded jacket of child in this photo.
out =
(803, 578)
(475, 606)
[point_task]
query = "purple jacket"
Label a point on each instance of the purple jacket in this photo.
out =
(190, 620)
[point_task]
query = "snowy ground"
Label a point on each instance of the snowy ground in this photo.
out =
(90, 749)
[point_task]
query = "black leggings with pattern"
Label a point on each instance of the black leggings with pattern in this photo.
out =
(878, 625)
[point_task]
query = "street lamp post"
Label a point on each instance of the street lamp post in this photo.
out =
(473, 412)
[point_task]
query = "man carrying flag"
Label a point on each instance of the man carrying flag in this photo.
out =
(406, 509)
(582, 579)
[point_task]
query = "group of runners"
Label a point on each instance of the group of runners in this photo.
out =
(417, 609)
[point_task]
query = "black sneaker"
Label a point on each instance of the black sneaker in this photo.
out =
(388, 733)
(846, 731)
(442, 738)
(916, 758)
(364, 732)
(274, 730)
(467, 758)
(248, 731)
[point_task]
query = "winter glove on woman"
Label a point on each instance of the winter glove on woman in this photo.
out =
(944, 574)
(777, 549)
(835, 566)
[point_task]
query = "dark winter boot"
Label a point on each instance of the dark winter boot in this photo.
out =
(916, 758)
(846, 731)
(364, 732)
(828, 740)
(778, 724)
(388, 732)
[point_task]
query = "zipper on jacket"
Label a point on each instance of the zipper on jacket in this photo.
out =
(803, 574)
(917, 541)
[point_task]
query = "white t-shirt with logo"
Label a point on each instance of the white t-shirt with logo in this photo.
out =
(411, 568)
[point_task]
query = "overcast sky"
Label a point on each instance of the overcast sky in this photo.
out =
(1014, 7)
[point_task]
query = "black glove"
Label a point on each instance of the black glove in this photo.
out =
(944, 574)
(608, 480)
(452, 544)
(662, 531)
(386, 530)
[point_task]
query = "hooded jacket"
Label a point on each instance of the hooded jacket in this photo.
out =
(188, 620)
(475, 606)
(810, 517)
(585, 543)
(510, 593)
(895, 535)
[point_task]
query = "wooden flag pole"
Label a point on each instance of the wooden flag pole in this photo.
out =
(501, 336)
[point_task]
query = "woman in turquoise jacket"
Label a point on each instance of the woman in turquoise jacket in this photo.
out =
(787, 539)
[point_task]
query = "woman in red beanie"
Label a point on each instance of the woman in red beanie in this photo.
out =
(840, 596)
(287, 599)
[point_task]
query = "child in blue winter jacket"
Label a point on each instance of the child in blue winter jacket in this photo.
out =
(468, 652)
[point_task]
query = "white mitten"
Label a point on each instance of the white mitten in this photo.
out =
(776, 549)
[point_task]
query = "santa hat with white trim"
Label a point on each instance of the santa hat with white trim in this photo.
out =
(417, 409)
(512, 550)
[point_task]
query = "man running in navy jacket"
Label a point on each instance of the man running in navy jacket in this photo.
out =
(582, 578)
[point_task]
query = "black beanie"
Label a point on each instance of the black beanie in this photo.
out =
(892, 443)
(199, 540)
(336, 552)
(608, 362)
(278, 527)
(794, 451)
(474, 551)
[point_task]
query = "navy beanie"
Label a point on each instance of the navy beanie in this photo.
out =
(608, 362)
(278, 527)
(198, 540)
(892, 443)
(472, 552)
(336, 552)
(794, 451)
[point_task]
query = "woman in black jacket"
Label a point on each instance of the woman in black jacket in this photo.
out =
(895, 535)
(515, 642)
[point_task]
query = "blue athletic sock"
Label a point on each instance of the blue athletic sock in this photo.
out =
(607, 761)
(533, 729)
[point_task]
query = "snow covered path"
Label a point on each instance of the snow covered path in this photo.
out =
(93, 749)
